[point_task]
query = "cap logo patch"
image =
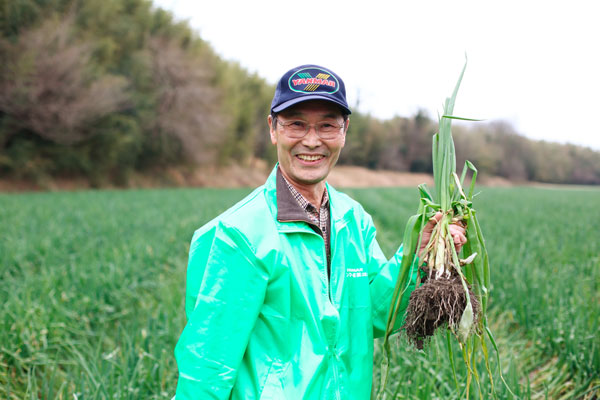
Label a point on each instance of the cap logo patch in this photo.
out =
(313, 80)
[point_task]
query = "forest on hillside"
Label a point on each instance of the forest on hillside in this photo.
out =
(100, 89)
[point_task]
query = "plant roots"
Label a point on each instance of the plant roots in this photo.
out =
(436, 303)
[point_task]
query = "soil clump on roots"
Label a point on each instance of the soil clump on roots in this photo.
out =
(438, 302)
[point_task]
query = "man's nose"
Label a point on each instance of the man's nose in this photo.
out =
(311, 139)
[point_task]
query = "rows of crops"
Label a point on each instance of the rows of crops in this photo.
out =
(92, 284)
(545, 297)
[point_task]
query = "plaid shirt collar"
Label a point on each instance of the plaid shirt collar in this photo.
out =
(292, 206)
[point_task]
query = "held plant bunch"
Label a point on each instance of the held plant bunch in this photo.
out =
(454, 287)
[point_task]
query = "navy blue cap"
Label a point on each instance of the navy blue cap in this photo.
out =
(309, 82)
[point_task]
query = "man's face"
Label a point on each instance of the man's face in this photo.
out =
(307, 161)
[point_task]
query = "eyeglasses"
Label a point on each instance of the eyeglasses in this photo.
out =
(297, 129)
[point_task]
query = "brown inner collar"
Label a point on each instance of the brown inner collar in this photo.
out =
(288, 208)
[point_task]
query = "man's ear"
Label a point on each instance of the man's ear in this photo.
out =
(272, 129)
(346, 125)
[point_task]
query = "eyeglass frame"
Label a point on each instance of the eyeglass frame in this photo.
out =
(308, 126)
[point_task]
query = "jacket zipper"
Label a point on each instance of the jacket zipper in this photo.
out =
(336, 377)
(335, 358)
(327, 276)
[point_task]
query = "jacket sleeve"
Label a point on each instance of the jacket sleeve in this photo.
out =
(226, 287)
(383, 274)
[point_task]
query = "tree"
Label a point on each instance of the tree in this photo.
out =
(187, 107)
(47, 86)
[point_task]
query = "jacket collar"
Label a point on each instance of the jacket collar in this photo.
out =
(286, 208)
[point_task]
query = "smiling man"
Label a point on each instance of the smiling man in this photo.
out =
(287, 289)
(305, 158)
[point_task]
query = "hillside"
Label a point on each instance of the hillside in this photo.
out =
(239, 176)
(110, 93)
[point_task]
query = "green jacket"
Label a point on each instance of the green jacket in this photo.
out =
(264, 322)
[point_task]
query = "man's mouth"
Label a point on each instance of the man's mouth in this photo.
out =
(310, 157)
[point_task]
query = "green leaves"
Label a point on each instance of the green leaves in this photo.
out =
(444, 155)
(473, 270)
(410, 242)
(460, 118)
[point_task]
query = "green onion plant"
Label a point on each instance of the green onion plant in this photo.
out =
(468, 271)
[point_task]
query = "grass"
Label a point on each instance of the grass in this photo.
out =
(545, 261)
(92, 286)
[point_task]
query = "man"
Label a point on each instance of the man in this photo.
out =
(287, 289)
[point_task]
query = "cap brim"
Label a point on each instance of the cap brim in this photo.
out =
(297, 100)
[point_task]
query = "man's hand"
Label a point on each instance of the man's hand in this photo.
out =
(456, 231)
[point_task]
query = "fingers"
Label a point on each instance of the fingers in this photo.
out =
(432, 222)
(427, 231)
(459, 239)
(458, 234)
(436, 217)
(456, 231)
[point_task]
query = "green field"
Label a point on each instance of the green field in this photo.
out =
(92, 288)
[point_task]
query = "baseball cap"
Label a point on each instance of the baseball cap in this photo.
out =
(309, 82)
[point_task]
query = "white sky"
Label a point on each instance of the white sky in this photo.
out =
(535, 64)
